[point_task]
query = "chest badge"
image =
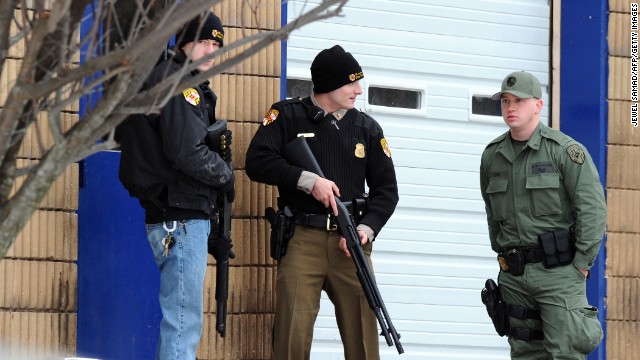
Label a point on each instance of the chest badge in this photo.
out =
(359, 151)
(271, 116)
(192, 96)
(385, 147)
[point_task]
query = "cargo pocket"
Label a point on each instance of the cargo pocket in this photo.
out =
(497, 191)
(582, 332)
(543, 189)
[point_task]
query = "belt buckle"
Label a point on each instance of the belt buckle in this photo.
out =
(331, 227)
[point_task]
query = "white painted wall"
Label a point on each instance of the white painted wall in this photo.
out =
(432, 258)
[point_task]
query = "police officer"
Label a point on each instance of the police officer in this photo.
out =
(546, 214)
(166, 164)
(351, 149)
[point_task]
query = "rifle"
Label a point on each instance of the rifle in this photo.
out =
(219, 242)
(299, 154)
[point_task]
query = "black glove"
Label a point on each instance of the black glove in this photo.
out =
(231, 195)
(222, 145)
(219, 248)
(229, 188)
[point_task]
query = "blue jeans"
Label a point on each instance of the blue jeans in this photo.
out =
(181, 287)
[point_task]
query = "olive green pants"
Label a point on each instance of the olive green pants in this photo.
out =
(570, 326)
(314, 262)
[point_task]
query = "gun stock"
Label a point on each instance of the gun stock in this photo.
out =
(299, 154)
(214, 131)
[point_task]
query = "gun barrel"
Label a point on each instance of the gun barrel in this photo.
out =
(222, 294)
(221, 322)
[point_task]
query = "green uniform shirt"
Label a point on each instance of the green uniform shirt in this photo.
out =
(539, 189)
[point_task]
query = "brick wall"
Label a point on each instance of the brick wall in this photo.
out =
(623, 194)
(38, 277)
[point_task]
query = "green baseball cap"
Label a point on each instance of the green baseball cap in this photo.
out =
(521, 84)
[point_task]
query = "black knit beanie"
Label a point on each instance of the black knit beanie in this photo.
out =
(210, 30)
(334, 68)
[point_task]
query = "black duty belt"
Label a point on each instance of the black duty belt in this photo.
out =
(321, 221)
(518, 257)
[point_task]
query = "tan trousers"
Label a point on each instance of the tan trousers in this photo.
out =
(314, 262)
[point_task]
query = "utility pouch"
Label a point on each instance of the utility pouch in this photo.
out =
(558, 248)
(496, 307)
(515, 261)
(282, 228)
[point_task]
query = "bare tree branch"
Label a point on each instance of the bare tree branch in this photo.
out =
(47, 81)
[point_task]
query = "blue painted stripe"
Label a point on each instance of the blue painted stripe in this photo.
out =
(283, 52)
(583, 109)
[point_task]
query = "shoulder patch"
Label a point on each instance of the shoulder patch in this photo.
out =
(576, 154)
(192, 96)
(271, 116)
(385, 147)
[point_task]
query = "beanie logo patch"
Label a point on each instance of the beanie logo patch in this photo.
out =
(271, 116)
(356, 76)
(217, 34)
(359, 153)
(385, 147)
(192, 96)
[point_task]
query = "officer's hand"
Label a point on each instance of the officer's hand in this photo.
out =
(584, 272)
(325, 191)
(219, 248)
(343, 242)
(226, 155)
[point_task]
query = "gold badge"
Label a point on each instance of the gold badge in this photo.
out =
(271, 116)
(192, 96)
(359, 151)
(576, 154)
(385, 147)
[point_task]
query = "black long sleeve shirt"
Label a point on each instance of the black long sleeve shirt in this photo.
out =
(351, 153)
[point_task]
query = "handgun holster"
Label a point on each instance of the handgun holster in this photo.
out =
(282, 229)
